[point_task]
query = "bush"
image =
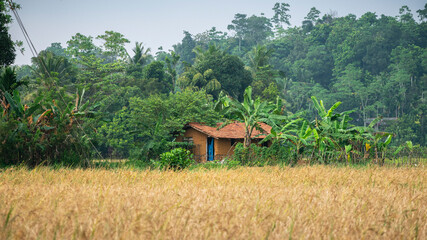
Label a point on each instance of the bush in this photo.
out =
(232, 164)
(260, 156)
(175, 159)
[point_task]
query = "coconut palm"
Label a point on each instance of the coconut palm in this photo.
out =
(141, 56)
(48, 65)
(259, 57)
(212, 52)
(8, 81)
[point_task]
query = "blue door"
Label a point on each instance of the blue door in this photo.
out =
(211, 151)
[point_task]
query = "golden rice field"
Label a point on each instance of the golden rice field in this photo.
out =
(246, 203)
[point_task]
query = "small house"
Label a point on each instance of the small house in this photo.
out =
(212, 143)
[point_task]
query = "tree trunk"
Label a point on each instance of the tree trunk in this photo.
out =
(247, 139)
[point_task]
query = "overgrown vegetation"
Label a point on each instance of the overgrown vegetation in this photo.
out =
(85, 101)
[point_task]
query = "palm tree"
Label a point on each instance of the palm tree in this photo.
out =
(8, 81)
(48, 63)
(259, 57)
(141, 56)
(212, 51)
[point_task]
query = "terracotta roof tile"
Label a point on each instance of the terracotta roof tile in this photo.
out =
(234, 130)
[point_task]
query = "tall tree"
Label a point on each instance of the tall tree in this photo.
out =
(227, 69)
(171, 65)
(281, 15)
(239, 26)
(81, 46)
(155, 79)
(250, 31)
(140, 56)
(7, 47)
(259, 57)
(57, 49)
(114, 45)
(185, 48)
(422, 13)
(310, 20)
(47, 64)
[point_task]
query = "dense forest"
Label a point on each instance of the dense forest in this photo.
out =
(103, 101)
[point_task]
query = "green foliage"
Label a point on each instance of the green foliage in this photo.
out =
(7, 46)
(141, 57)
(276, 154)
(280, 14)
(47, 64)
(155, 80)
(191, 79)
(214, 69)
(250, 31)
(35, 134)
(250, 112)
(146, 126)
(176, 159)
(9, 81)
(114, 45)
(81, 46)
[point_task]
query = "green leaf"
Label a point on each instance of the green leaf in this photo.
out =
(316, 134)
(388, 140)
(348, 148)
(331, 110)
(375, 121)
(307, 133)
(15, 106)
(409, 144)
(319, 108)
(47, 128)
(398, 150)
(32, 109)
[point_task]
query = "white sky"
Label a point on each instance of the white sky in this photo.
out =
(161, 22)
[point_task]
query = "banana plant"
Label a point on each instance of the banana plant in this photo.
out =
(295, 132)
(328, 129)
(381, 146)
(12, 105)
(40, 132)
(334, 134)
(251, 112)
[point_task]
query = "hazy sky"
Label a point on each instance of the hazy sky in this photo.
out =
(161, 22)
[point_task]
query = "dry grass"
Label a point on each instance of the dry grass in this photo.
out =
(245, 203)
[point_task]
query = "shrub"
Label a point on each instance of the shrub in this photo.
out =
(257, 155)
(175, 159)
(232, 164)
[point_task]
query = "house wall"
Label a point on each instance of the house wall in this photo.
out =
(223, 148)
(200, 142)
